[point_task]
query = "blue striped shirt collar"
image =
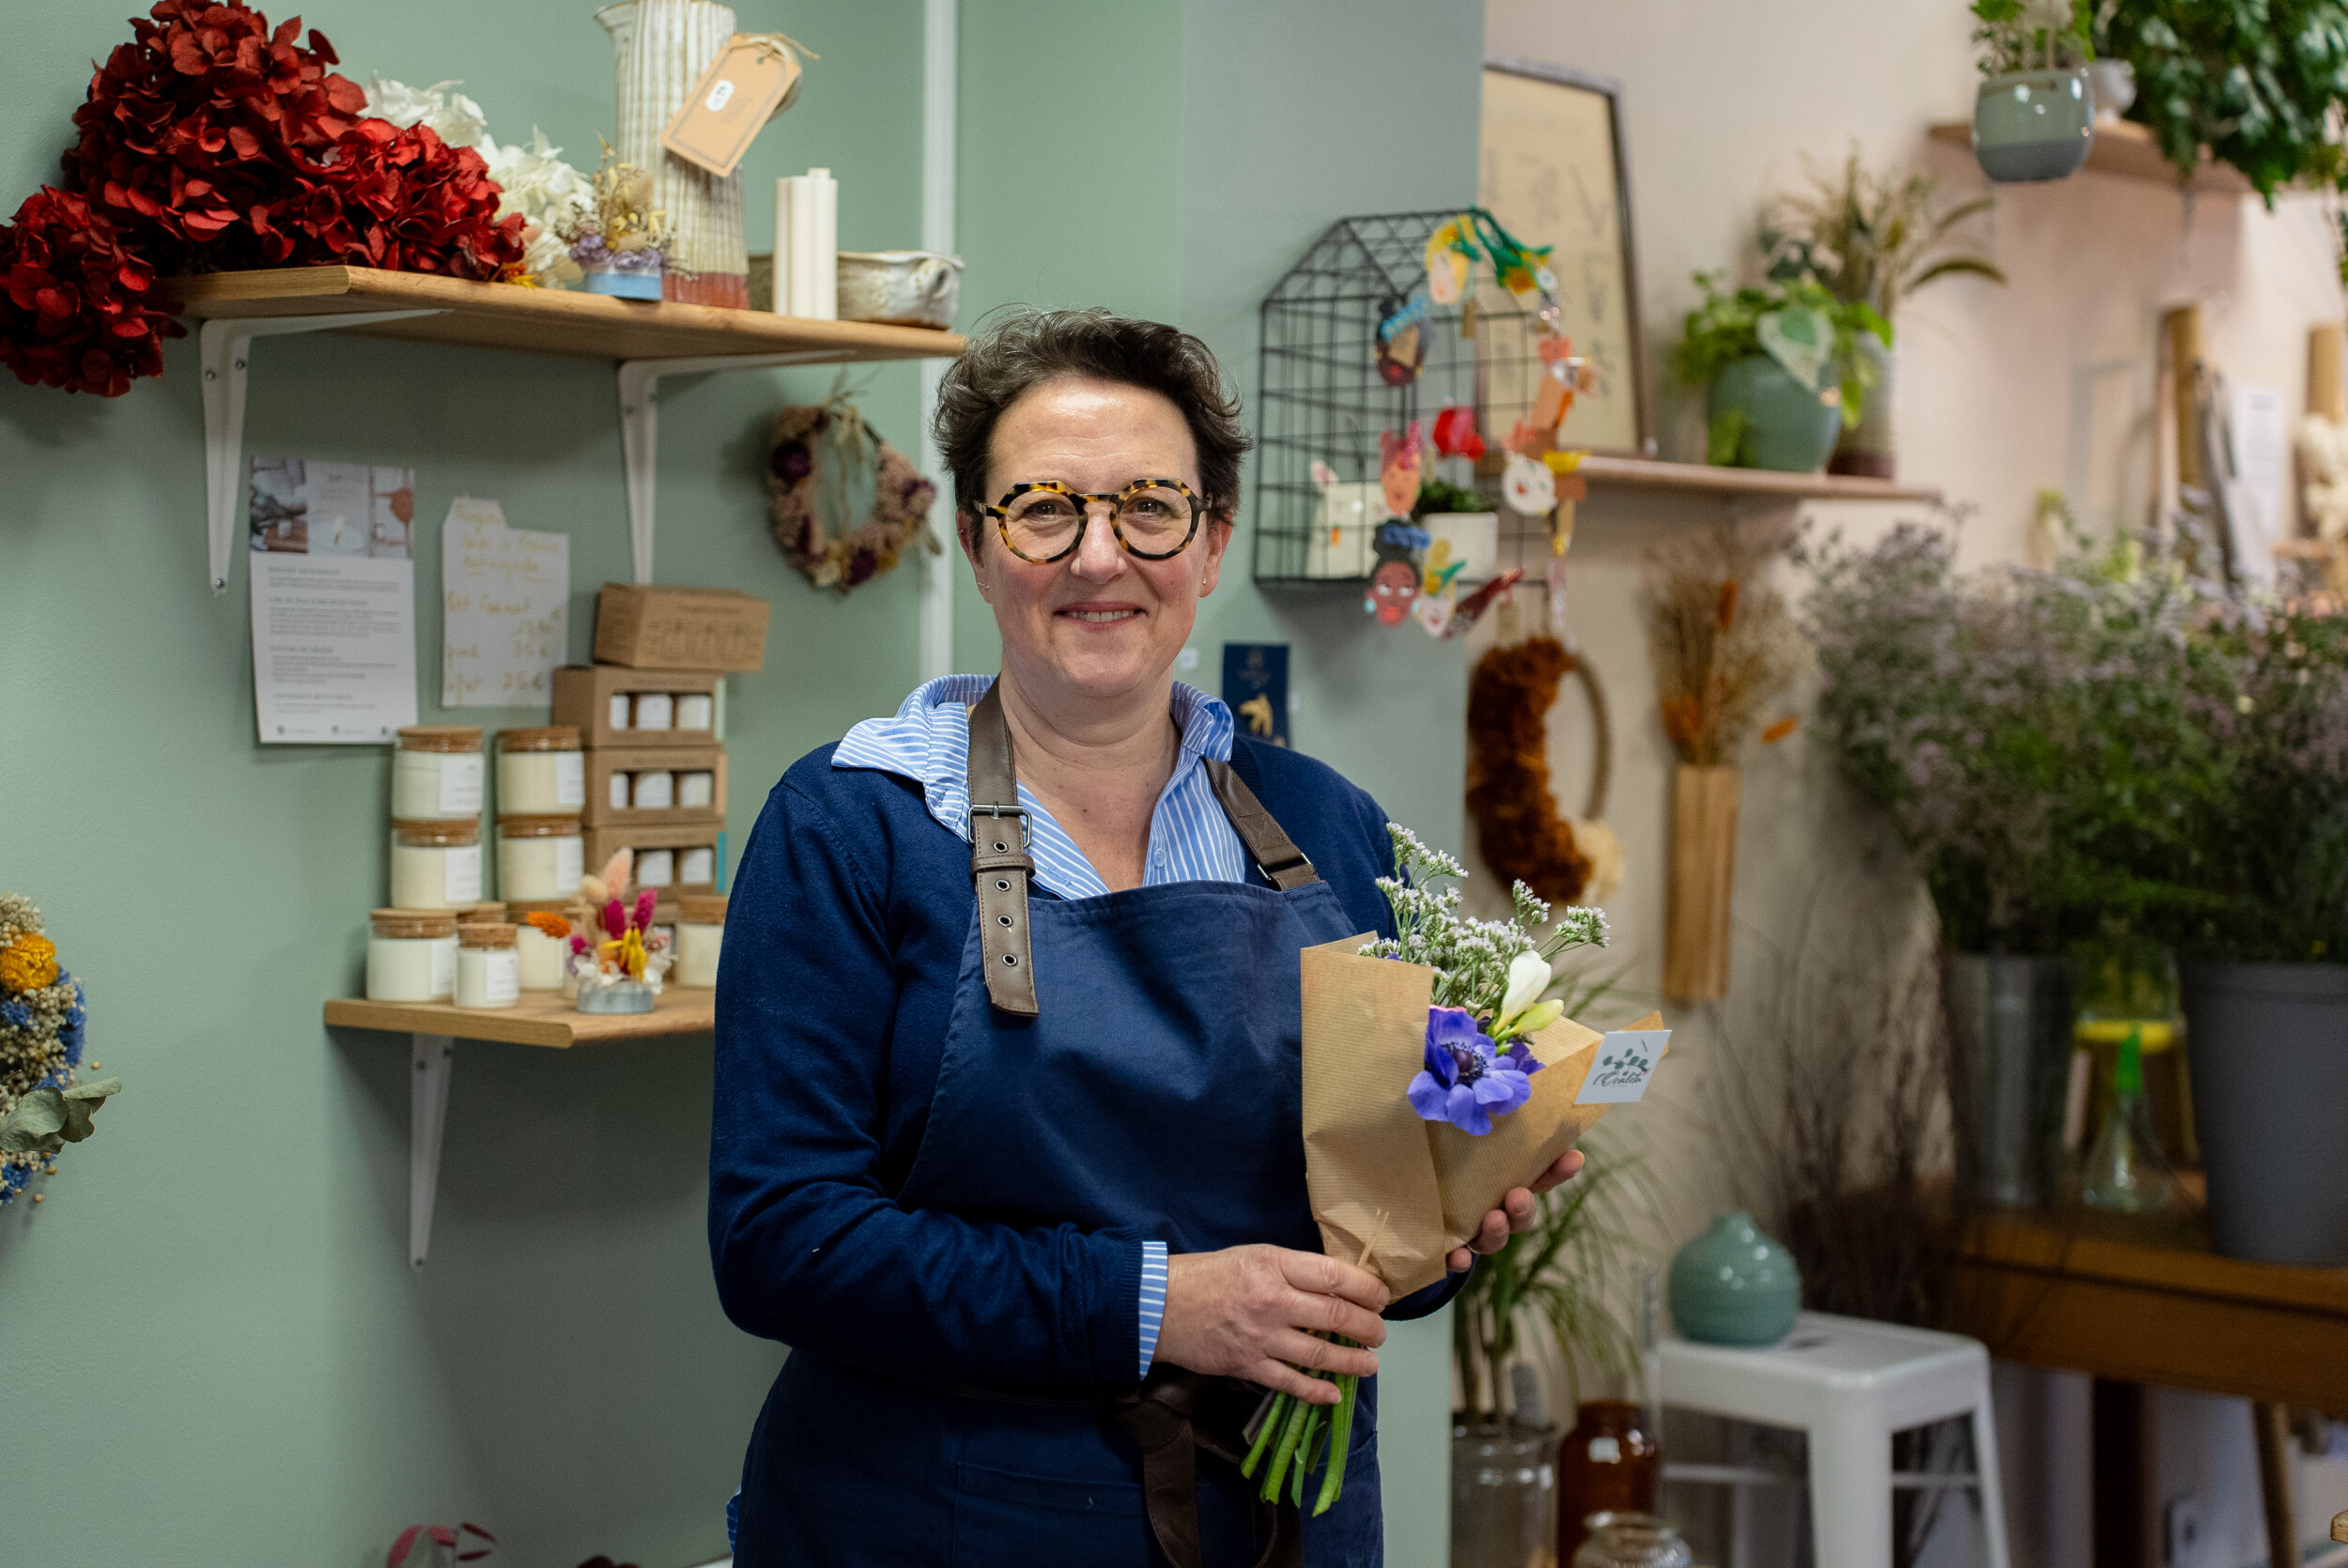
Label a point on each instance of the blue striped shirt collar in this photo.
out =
(928, 741)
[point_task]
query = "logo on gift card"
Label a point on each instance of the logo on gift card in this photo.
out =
(1626, 1060)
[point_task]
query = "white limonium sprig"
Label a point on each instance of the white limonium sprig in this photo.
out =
(1496, 969)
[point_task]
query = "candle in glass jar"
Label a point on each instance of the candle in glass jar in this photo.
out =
(436, 773)
(701, 930)
(540, 857)
(541, 771)
(412, 955)
(436, 866)
(488, 971)
(695, 710)
(696, 790)
(541, 957)
(655, 790)
(654, 710)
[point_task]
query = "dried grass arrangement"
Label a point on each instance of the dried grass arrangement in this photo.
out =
(1723, 642)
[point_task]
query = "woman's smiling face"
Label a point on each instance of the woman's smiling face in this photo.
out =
(1097, 624)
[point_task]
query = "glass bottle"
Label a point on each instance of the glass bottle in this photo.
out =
(2124, 1169)
(1631, 1540)
(1609, 1462)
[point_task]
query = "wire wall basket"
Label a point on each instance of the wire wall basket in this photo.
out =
(1323, 395)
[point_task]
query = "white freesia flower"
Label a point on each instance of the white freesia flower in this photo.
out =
(1528, 976)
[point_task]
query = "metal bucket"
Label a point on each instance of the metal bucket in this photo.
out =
(2270, 1075)
(2009, 1021)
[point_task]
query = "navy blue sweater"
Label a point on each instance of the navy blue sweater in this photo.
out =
(843, 944)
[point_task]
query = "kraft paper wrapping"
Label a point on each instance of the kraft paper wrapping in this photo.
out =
(1375, 1170)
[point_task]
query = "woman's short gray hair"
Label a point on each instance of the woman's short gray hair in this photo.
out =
(1020, 348)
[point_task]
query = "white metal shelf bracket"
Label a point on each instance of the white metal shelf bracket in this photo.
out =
(433, 1059)
(640, 427)
(226, 347)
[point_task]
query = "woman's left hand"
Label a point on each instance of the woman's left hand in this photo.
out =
(1515, 1214)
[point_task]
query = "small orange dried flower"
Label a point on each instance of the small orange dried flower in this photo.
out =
(554, 924)
(28, 963)
(1724, 611)
(1778, 730)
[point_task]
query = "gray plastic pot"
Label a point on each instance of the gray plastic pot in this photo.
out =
(2268, 1052)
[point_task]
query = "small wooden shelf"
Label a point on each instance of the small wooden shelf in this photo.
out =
(2127, 149)
(542, 1018)
(542, 320)
(1705, 479)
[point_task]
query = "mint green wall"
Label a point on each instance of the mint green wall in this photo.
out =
(208, 1333)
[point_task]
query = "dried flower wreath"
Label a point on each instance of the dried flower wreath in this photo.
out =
(1518, 830)
(800, 498)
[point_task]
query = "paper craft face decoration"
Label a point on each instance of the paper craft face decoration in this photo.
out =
(1530, 488)
(1391, 587)
(1398, 469)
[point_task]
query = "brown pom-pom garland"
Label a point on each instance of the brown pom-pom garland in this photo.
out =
(1518, 830)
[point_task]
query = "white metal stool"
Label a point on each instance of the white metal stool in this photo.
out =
(1849, 1384)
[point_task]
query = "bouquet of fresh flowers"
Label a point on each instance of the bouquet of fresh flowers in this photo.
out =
(1436, 1078)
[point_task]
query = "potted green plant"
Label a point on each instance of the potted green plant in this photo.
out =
(2038, 741)
(2034, 113)
(1781, 370)
(2254, 81)
(2266, 962)
(1873, 238)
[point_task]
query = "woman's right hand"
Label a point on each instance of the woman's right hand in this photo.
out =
(1256, 1312)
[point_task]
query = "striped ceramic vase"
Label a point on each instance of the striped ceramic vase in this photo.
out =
(664, 47)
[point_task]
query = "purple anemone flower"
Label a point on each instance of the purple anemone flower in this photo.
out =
(1466, 1082)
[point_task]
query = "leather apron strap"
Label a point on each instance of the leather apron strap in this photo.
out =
(1000, 867)
(1170, 1425)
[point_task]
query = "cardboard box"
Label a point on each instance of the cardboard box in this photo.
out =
(603, 762)
(604, 842)
(582, 699)
(646, 627)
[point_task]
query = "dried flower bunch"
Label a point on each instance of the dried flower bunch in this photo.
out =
(1723, 643)
(1870, 237)
(43, 1105)
(1518, 825)
(211, 143)
(532, 181)
(808, 501)
(623, 232)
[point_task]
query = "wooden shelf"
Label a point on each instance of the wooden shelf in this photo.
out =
(1705, 479)
(541, 320)
(2127, 149)
(543, 1017)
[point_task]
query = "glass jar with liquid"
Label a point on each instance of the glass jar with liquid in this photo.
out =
(541, 771)
(436, 773)
(1609, 1462)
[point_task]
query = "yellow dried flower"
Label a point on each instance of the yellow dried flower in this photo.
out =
(28, 963)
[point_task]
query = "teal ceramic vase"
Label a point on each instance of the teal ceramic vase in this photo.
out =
(2034, 125)
(1733, 1286)
(1759, 417)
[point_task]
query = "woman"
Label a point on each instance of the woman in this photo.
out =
(1006, 1123)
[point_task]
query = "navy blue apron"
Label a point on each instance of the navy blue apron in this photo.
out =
(1154, 1087)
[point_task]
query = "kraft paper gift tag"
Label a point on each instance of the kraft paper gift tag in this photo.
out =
(754, 79)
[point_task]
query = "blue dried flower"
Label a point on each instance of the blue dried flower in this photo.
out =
(15, 1014)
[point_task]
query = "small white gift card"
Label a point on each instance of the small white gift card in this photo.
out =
(1626, 1060)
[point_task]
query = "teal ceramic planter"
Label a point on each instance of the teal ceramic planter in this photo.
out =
(1733, 1286)
(1777, 422)
(2034, 125)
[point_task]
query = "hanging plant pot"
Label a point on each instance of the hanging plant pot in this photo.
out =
(2034, 125)
(1758, 416)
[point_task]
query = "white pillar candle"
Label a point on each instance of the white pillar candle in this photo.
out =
(618, 718)
(695, 710)
(696, 790)
(656, 868)
(654, 710)
(697, 867)
(655, 790)
(619, 791)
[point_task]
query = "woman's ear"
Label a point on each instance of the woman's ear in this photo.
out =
(973, 541)
(1217, 538)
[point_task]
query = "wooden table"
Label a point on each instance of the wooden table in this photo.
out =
(2132, 1306)
(541, 1018)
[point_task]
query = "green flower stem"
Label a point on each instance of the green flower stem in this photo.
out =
(1272, 1417)
(1340, 1444)
(1313, 1420)
(1285, 1451)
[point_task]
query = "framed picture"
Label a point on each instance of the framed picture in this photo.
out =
(1551, 170)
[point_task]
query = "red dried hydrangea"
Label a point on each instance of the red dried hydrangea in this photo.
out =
(406, 201)
(196, 133)
(74, 309)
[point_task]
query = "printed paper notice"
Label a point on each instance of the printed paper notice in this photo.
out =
(334, 602)
(506, 601)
